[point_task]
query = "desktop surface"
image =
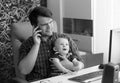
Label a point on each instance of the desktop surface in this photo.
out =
(65, 78)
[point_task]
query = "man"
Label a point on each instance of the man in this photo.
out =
(37, 49)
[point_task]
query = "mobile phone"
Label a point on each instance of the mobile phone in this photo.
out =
(40, 31)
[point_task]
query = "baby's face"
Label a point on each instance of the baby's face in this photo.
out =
(62, 46)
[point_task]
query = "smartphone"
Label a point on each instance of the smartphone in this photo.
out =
(39, 30)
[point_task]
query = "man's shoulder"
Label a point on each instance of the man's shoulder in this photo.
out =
(30, 39)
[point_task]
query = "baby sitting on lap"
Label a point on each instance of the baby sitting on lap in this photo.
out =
(63, 60)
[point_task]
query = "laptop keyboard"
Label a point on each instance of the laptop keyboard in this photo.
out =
(84, 77)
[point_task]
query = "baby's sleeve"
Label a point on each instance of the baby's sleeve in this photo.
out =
(56, 55)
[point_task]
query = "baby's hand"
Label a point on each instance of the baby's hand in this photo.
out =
(71, 73)
(76, 68)
(68, 71)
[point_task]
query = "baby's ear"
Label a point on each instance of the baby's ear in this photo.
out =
(54, 48)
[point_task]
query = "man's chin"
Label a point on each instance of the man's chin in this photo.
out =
(49, 34)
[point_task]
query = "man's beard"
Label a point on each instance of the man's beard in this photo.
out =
(46, 35)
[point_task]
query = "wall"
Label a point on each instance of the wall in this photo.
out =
(77, 9)
(116, 14)
(67, 8)
(56, 7)
(80, 9)
(62, 8)
(106, 16)
(101, 14)
(115, 51)
(102, 24)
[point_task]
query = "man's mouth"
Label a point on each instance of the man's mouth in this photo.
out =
(64, 49)
(48, 31)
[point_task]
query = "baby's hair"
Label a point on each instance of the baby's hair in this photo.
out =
(60, 37)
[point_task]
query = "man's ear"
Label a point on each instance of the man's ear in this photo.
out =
(54, 48)
(33, 26)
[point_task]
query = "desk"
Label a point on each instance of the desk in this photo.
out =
(64, 78)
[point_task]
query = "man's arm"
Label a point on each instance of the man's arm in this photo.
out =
(27, 63)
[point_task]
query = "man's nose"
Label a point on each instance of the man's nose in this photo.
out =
(49, 26)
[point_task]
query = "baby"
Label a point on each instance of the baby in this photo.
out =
(63, 60)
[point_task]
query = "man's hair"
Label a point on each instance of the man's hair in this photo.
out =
(38, 11)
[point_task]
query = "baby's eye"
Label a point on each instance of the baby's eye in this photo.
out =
(61, 44)
(67, 44)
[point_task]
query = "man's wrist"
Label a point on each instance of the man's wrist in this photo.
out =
(37, 44)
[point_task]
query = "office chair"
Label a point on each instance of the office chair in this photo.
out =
(19, 33)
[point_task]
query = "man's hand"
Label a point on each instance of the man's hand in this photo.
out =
(36, 36)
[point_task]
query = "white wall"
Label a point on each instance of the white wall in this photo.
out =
(77, 9)
(115, 51)
(116, 13)
(105, 13)
(72, 9)
(106, 17)
(80, 9)
(56, 7)
(102, 24)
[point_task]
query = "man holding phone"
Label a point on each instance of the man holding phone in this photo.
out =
(36, 50)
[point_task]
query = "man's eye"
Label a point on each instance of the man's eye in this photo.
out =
(43, 24)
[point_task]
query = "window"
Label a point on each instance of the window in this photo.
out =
(78, 26)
